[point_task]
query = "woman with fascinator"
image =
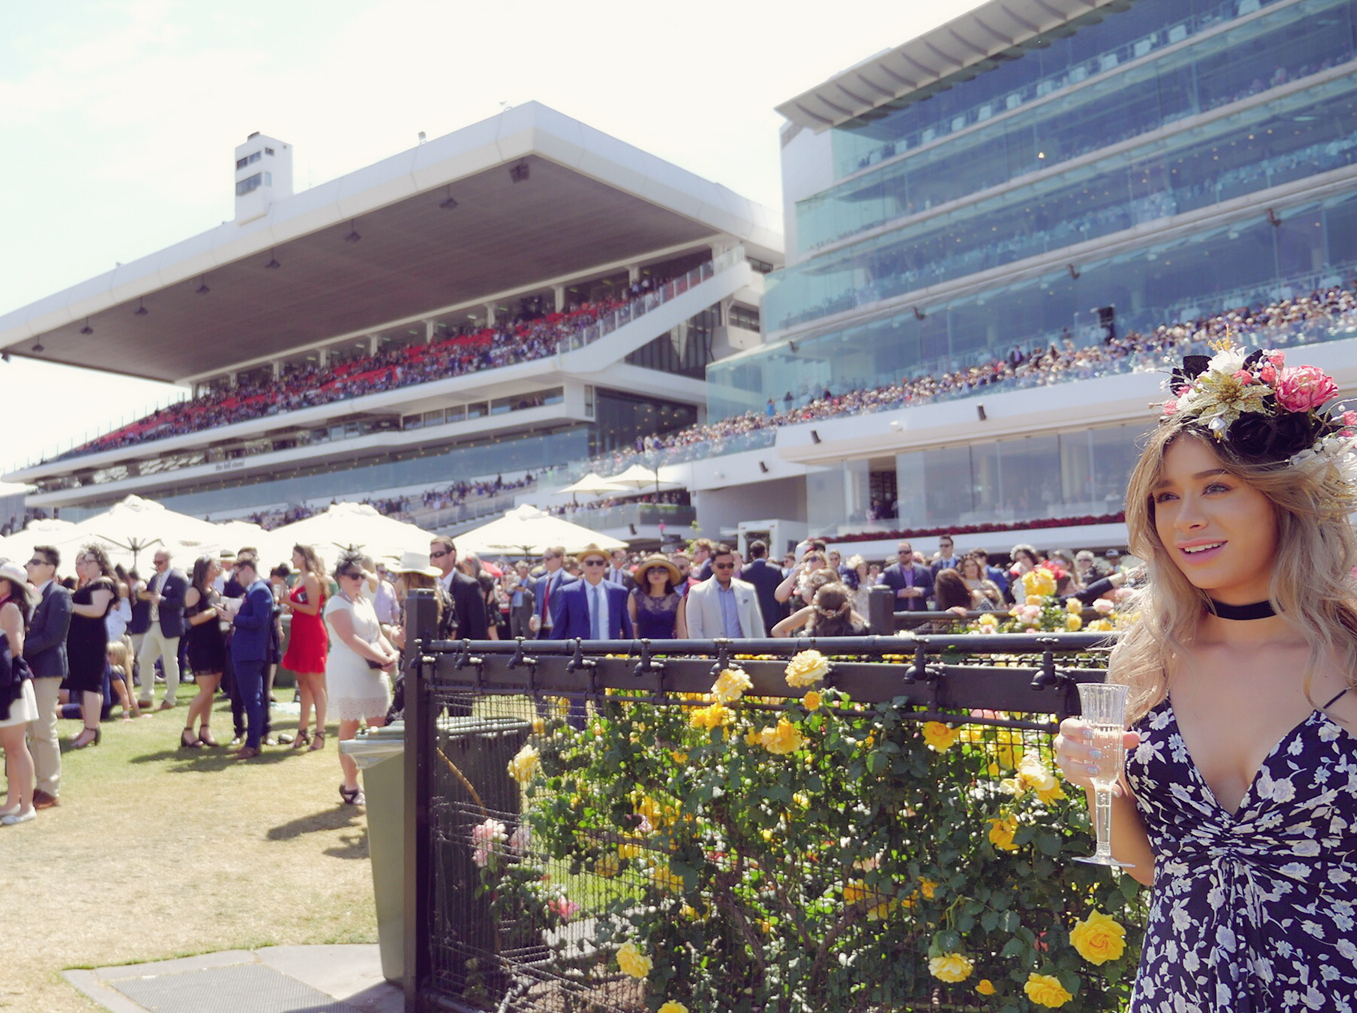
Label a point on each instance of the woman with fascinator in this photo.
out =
(1238, 797)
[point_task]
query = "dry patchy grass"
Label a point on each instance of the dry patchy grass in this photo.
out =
(158, 852)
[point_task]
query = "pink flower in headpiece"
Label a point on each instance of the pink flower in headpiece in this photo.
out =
(1350, 419)
(1184, 389)
(1170, 407)
(1276, 357)
(1267, 373)
(1301, 388)
(1244, 376)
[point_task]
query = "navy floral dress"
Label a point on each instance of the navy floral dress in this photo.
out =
(1255, 910)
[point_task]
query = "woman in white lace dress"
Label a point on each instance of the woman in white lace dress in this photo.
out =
(358, 669)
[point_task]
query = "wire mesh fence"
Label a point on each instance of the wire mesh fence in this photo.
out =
(606, 841)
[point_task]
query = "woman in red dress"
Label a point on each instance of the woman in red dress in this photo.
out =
(309, 644)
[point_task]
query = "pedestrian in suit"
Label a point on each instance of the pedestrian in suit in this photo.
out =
(522, 607)
(467, 618)
(547, 585)
(251, 639)
(45, 652)
(765, 579)
(911, 581)
(592, 608)
(618, 572)
(165, 591)
(723, 606)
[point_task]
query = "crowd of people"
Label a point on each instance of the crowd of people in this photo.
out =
(1277, 323)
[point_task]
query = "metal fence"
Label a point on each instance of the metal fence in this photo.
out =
(521, 892)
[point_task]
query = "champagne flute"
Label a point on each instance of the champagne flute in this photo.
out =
(1104, 711)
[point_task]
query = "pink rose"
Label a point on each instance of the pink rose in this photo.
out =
(1267, 373)
(566, 909)
(1301, 388)
(1170, 407)
(1184, 389)
(1276, 357)
(1244, 376)
(1350, 418)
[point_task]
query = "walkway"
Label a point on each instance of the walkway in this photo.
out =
(277, 979)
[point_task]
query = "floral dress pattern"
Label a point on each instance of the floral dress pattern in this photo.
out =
(1253, 910)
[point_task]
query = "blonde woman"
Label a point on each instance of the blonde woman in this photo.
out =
(1238, 799)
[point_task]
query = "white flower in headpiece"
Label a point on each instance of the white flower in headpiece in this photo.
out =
(1228, 360)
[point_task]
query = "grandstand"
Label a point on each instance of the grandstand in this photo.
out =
(513, 296)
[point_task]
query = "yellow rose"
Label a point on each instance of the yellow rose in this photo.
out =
(1034, 599)
(672, 1007)
(1001, 832)
(665, 880)
(939, 736)
(678, 756)
(1098, 938)
(1099, 626)
(1073, 623)
(525, 765)
(989, 619)
(950, 967)
(538, 726)
(1046, 990)
(806, 669)
(984, 986)
(1035, 775)
(1038, 583)
(927, 887)
(715, 716)
(608, 866)
(811, 701)
(730, 685)
(753, 737)
(783, 739)
(878, 904)
(633, 962)
(1074, 607)
(628, 851)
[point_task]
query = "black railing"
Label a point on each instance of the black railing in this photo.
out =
(483, 932)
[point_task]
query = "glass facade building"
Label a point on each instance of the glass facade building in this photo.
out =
(1169, 159)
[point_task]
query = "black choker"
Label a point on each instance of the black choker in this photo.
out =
(1254, 610)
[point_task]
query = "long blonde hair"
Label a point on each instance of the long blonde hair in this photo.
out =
(1311, 585)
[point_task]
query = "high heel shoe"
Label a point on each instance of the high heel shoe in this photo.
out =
(205, 737)
(303, 739)
(187, 740)
(80, 742)
(318, 742)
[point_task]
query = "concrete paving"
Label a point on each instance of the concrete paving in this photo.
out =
(276, 979)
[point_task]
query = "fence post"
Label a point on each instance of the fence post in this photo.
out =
(422, 628)
(881, 611)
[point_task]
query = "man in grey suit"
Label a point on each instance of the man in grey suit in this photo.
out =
(723, 606)
(45, 652)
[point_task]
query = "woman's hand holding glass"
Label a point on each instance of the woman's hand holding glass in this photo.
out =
(1079, 758)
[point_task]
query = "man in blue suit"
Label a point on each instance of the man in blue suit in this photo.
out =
(250, 639)
(592, 608)
(911, 581)
(545, 588)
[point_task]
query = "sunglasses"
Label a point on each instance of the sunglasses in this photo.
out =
(352, 576)
(39, 562)
(723, 566)
(439, 555)
(552, 555)
(595, 562)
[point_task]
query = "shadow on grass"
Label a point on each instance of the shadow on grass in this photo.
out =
(192, 761)
(342, 817)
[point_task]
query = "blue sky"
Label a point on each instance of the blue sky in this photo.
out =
(120, 117)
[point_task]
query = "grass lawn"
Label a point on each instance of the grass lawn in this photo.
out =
(158, 852)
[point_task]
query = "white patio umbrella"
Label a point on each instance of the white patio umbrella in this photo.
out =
(136, 525)
(19, 546)
(641, 478)
(527, 531)
(344, 526)
(593, 484)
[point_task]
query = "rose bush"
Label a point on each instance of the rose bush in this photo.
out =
(790, 856)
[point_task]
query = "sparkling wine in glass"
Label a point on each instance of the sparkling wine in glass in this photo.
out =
(1104, 711)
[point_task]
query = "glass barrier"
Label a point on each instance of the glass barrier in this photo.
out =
(1092, 51)
(671, 515)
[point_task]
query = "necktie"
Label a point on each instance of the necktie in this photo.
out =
(546, 597)
(594, 610)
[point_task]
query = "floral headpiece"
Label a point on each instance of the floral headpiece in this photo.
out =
(1266, 412)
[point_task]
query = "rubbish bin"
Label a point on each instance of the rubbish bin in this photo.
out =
(481, 748)
(380, 756)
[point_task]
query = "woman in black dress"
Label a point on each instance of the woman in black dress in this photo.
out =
(206, 650)
(87, 638)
